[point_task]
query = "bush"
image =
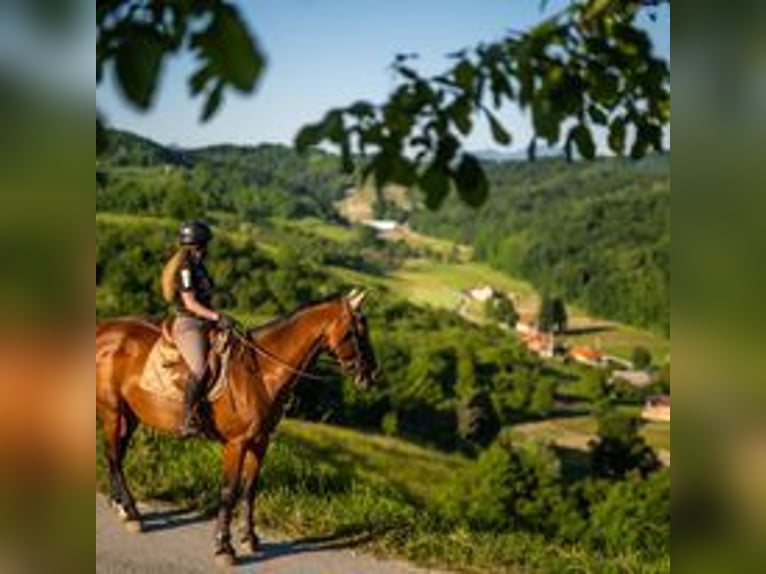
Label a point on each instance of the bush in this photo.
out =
(642, 358)
(634, 516)
(619, 449)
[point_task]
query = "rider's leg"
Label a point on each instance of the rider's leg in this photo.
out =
(191, 340)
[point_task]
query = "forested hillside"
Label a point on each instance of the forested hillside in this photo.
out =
(140, 177)
(597, 234)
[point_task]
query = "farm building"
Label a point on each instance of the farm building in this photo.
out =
(635, 378)
(588, 356)
(382, 226)
(483, 294)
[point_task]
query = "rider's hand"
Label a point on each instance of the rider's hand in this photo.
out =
(226, 323)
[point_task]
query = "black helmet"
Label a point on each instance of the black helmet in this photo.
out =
(194, 233)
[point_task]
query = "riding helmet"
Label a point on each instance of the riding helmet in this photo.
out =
(195, 233)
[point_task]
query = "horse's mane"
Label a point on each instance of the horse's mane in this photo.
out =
(283, 320)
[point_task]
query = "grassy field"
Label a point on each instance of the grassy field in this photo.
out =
(440, 284)
(319, 228)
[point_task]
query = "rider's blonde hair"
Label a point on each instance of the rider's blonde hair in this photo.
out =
(170, 273)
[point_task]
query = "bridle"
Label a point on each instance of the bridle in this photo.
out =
(353, 366)
(357, 365)
(244, 340)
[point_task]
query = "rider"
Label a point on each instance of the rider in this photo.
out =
(186, 285)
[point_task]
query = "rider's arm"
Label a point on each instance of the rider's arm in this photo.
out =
(198, 309)
(190, 301)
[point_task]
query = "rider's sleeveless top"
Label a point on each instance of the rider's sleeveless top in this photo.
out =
(193, 277)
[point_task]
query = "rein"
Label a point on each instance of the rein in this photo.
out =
(269, 355)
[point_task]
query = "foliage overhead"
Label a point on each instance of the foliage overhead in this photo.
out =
(590, 66)
(136, 37)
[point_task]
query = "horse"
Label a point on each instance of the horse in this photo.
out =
(266, 363)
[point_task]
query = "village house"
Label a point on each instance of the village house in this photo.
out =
(588, 356)
(483, 294)
(638, 379)
(541, 344)
(526, 328)
(382, 226)
(657, 409)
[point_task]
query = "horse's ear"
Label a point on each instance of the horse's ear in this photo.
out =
(356, 299)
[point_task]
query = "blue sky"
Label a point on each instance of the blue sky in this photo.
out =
(329, 53)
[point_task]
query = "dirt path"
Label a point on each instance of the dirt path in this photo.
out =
(180, 543)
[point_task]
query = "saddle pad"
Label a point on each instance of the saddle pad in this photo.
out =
(165, 373)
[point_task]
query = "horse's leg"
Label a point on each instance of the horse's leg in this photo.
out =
(233, 459)
(118, 430)
(128, 424)
(251, 473)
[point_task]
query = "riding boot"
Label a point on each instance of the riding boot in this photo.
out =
(195, 388)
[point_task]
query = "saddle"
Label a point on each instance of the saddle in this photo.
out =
(166, 373)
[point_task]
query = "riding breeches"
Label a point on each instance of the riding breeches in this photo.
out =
(190, 336)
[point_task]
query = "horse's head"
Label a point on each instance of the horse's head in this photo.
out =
(348, 338)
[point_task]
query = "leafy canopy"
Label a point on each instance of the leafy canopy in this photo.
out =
(589, 66)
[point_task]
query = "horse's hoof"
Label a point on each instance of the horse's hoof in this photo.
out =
(133, 527)
(122, 514)
(251, 545)
(225, 560)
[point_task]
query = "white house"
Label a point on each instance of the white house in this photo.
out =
(382, 226)
(483, 294)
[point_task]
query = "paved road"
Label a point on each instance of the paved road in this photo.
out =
(180, 543)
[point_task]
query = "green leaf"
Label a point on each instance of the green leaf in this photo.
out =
(546, 121)
(500, 86)
(448, 146)
(435, 182)
(362, 110)
(309, 136)
(102, 142)
(334, 129)
(138, 63)
(200, 79)
(597, 115)
(347, 160)
(213, 103)
(408, 73)
(532, 150)
(499, 133)
(597, 8)
(606, 89)
(460, 113)
(465, 74)
(639, 148)
(583, 139)
(402, 171)
(617, 135)
(236, 55)
(471, 181)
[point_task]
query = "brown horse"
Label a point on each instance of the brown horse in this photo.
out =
(265, 366)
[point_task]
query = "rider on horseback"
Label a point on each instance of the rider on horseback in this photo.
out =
(187, 286)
